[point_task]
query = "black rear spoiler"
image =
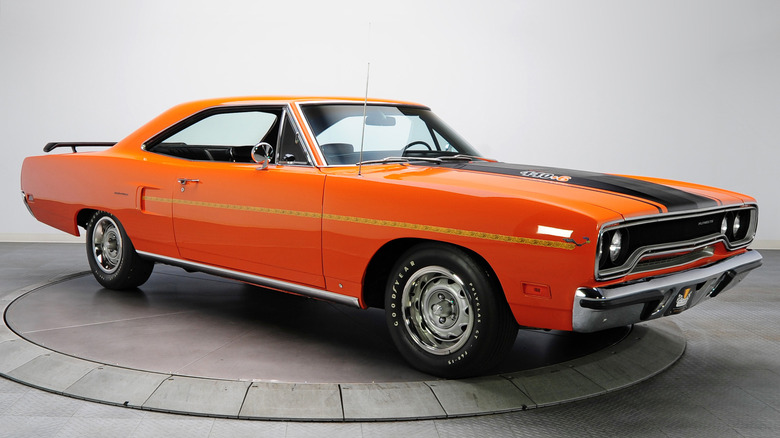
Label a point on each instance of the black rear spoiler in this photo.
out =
(72, 144)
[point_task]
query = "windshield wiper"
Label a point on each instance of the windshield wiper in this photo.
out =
(400, 160)
(439, 159)
(459, 157)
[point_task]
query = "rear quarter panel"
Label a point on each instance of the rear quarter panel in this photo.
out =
(62, 185)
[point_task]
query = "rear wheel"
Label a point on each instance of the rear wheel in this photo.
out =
(446, 313)
(111, 255)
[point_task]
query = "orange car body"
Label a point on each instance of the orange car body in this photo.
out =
(329, 228)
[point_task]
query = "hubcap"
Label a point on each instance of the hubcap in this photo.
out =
(437, 310)
(107, 245)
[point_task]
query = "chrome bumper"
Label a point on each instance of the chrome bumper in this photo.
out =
(623, 304)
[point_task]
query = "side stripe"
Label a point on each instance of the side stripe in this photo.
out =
(235, 207)
(373, 222)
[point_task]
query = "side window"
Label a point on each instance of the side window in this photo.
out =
(290, 147)
(223, 136)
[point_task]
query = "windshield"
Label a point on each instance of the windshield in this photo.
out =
(390, 131)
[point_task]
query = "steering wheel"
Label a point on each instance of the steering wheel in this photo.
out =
(416, 142)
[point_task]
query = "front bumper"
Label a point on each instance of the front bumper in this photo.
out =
(623, 304)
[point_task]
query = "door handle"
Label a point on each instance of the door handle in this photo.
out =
(184, 181)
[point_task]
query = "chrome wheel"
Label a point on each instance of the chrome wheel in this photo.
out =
(107, 245)
(437, 310)
(446, 311)
(112, 256)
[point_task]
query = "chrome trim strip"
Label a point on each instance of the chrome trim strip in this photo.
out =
(624, 304)
(650, 251)
(26, 204)
(694, 255)
(305, 126)
(639, 254)
(658, 217)
(255, 279)
(284, 105)
(288, 114)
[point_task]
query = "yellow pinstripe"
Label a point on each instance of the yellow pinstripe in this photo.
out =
(374, 222)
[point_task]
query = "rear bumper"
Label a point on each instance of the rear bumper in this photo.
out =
(27, 204)
(623, 304)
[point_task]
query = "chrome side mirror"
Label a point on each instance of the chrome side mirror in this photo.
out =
(261, 154)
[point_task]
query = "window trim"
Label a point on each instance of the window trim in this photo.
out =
(287, 115)
(316, 148)
(152, 142)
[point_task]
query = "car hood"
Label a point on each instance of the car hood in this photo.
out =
(669, 197)
(572, 189)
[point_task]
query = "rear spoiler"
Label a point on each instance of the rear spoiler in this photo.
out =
(71, 144)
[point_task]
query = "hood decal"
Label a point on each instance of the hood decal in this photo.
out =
(672, 199)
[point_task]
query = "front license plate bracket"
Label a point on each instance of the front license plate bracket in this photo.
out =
(682, 299)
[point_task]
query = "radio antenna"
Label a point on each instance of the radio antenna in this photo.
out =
(363, 133)
(365, 104)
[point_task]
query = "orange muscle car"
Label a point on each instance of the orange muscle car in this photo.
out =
(378, 203)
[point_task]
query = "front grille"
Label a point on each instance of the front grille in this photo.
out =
(673, 240)
(653, 263)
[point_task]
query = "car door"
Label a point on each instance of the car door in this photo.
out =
(232, 213)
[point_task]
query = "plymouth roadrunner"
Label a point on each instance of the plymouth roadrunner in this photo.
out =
(377, 203)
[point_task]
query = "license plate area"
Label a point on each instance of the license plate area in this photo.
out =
(682, 299)
(679, 299)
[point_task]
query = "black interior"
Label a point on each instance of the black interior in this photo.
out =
(234, 154)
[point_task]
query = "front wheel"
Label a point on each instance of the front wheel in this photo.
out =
(111, 255)
(446, 312)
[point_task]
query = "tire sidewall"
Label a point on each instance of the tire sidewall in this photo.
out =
(116, 279)
(479, 286)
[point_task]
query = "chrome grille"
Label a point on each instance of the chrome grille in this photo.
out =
(667, 241)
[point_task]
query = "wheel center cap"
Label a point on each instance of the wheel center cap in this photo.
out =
(442, 309)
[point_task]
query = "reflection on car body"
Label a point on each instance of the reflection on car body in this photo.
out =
(386, 206)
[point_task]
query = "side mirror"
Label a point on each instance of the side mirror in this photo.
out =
(261, 154)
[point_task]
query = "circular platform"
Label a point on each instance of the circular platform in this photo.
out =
(197, 344)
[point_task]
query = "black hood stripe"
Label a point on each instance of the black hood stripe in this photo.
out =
(674, 200)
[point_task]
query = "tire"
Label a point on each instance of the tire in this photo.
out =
(446, 312)
(111, 255)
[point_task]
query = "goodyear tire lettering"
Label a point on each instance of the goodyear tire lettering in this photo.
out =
(490, 333)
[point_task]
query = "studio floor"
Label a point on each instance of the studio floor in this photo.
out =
(727, 383)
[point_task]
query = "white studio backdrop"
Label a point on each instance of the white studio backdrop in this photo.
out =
(686, 90)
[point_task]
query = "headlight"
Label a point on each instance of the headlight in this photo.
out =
(615, 246)
(724, 226)
(735, 226)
